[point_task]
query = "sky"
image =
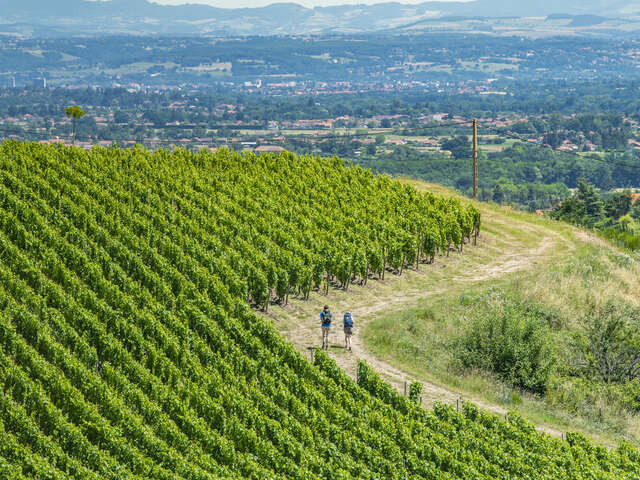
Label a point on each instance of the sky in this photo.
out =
(262, 3)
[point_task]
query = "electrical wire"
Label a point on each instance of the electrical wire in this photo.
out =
(575, 154)
(18, 131)
(23, 131)
(397, 131)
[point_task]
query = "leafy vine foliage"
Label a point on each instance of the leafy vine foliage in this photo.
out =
(128, 349)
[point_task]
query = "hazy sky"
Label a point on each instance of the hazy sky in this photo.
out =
(261, 3)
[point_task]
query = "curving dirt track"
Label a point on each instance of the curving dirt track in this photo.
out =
(512, 243)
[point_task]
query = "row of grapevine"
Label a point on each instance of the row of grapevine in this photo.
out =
(128, 348)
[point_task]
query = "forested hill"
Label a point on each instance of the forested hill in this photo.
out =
(74, 17)
(129, 347)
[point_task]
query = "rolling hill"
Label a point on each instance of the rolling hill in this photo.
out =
(72, 17)
(129, 347)
(408, 327)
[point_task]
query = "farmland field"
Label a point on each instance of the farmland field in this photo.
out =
(130, 345)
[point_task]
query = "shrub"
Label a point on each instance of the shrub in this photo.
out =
(512, 340)
(609, 346)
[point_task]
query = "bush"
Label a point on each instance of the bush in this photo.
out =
(609, 346)
(512, 340)
(630, 393)
(606, 405)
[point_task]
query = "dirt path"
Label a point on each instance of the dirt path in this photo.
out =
(299, 322)
(432, 392)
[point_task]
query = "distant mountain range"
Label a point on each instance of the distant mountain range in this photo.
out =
(69, 17)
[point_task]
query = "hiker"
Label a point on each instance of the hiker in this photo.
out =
(325, 317)
(348, 330)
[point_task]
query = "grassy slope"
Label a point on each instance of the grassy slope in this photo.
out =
(405, 325)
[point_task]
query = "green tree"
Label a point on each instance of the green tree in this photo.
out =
(570, 210)
(120, 116)
(498, 194)
(618, 205)
(610, 343)
(371, 149)
(459, 146)
(585, 208)
(74, 113)
(592, 202)
(635, 211)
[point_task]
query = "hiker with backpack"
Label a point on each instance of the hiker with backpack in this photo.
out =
(348, 330)
(325, 318)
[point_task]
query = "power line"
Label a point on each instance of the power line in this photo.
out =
(9, 130)
(67, 136)
(575, 154)
(397, 131)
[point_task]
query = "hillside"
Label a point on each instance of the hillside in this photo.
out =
(128, 350)
(408, 327)
(73, 17)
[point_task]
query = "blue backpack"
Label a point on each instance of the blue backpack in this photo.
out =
(348, 321)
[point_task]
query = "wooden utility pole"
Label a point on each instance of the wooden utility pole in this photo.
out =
(475, 158)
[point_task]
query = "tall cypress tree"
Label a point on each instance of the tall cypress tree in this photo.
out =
(591, 201)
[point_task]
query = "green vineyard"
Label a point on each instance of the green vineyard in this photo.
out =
(130, 345)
